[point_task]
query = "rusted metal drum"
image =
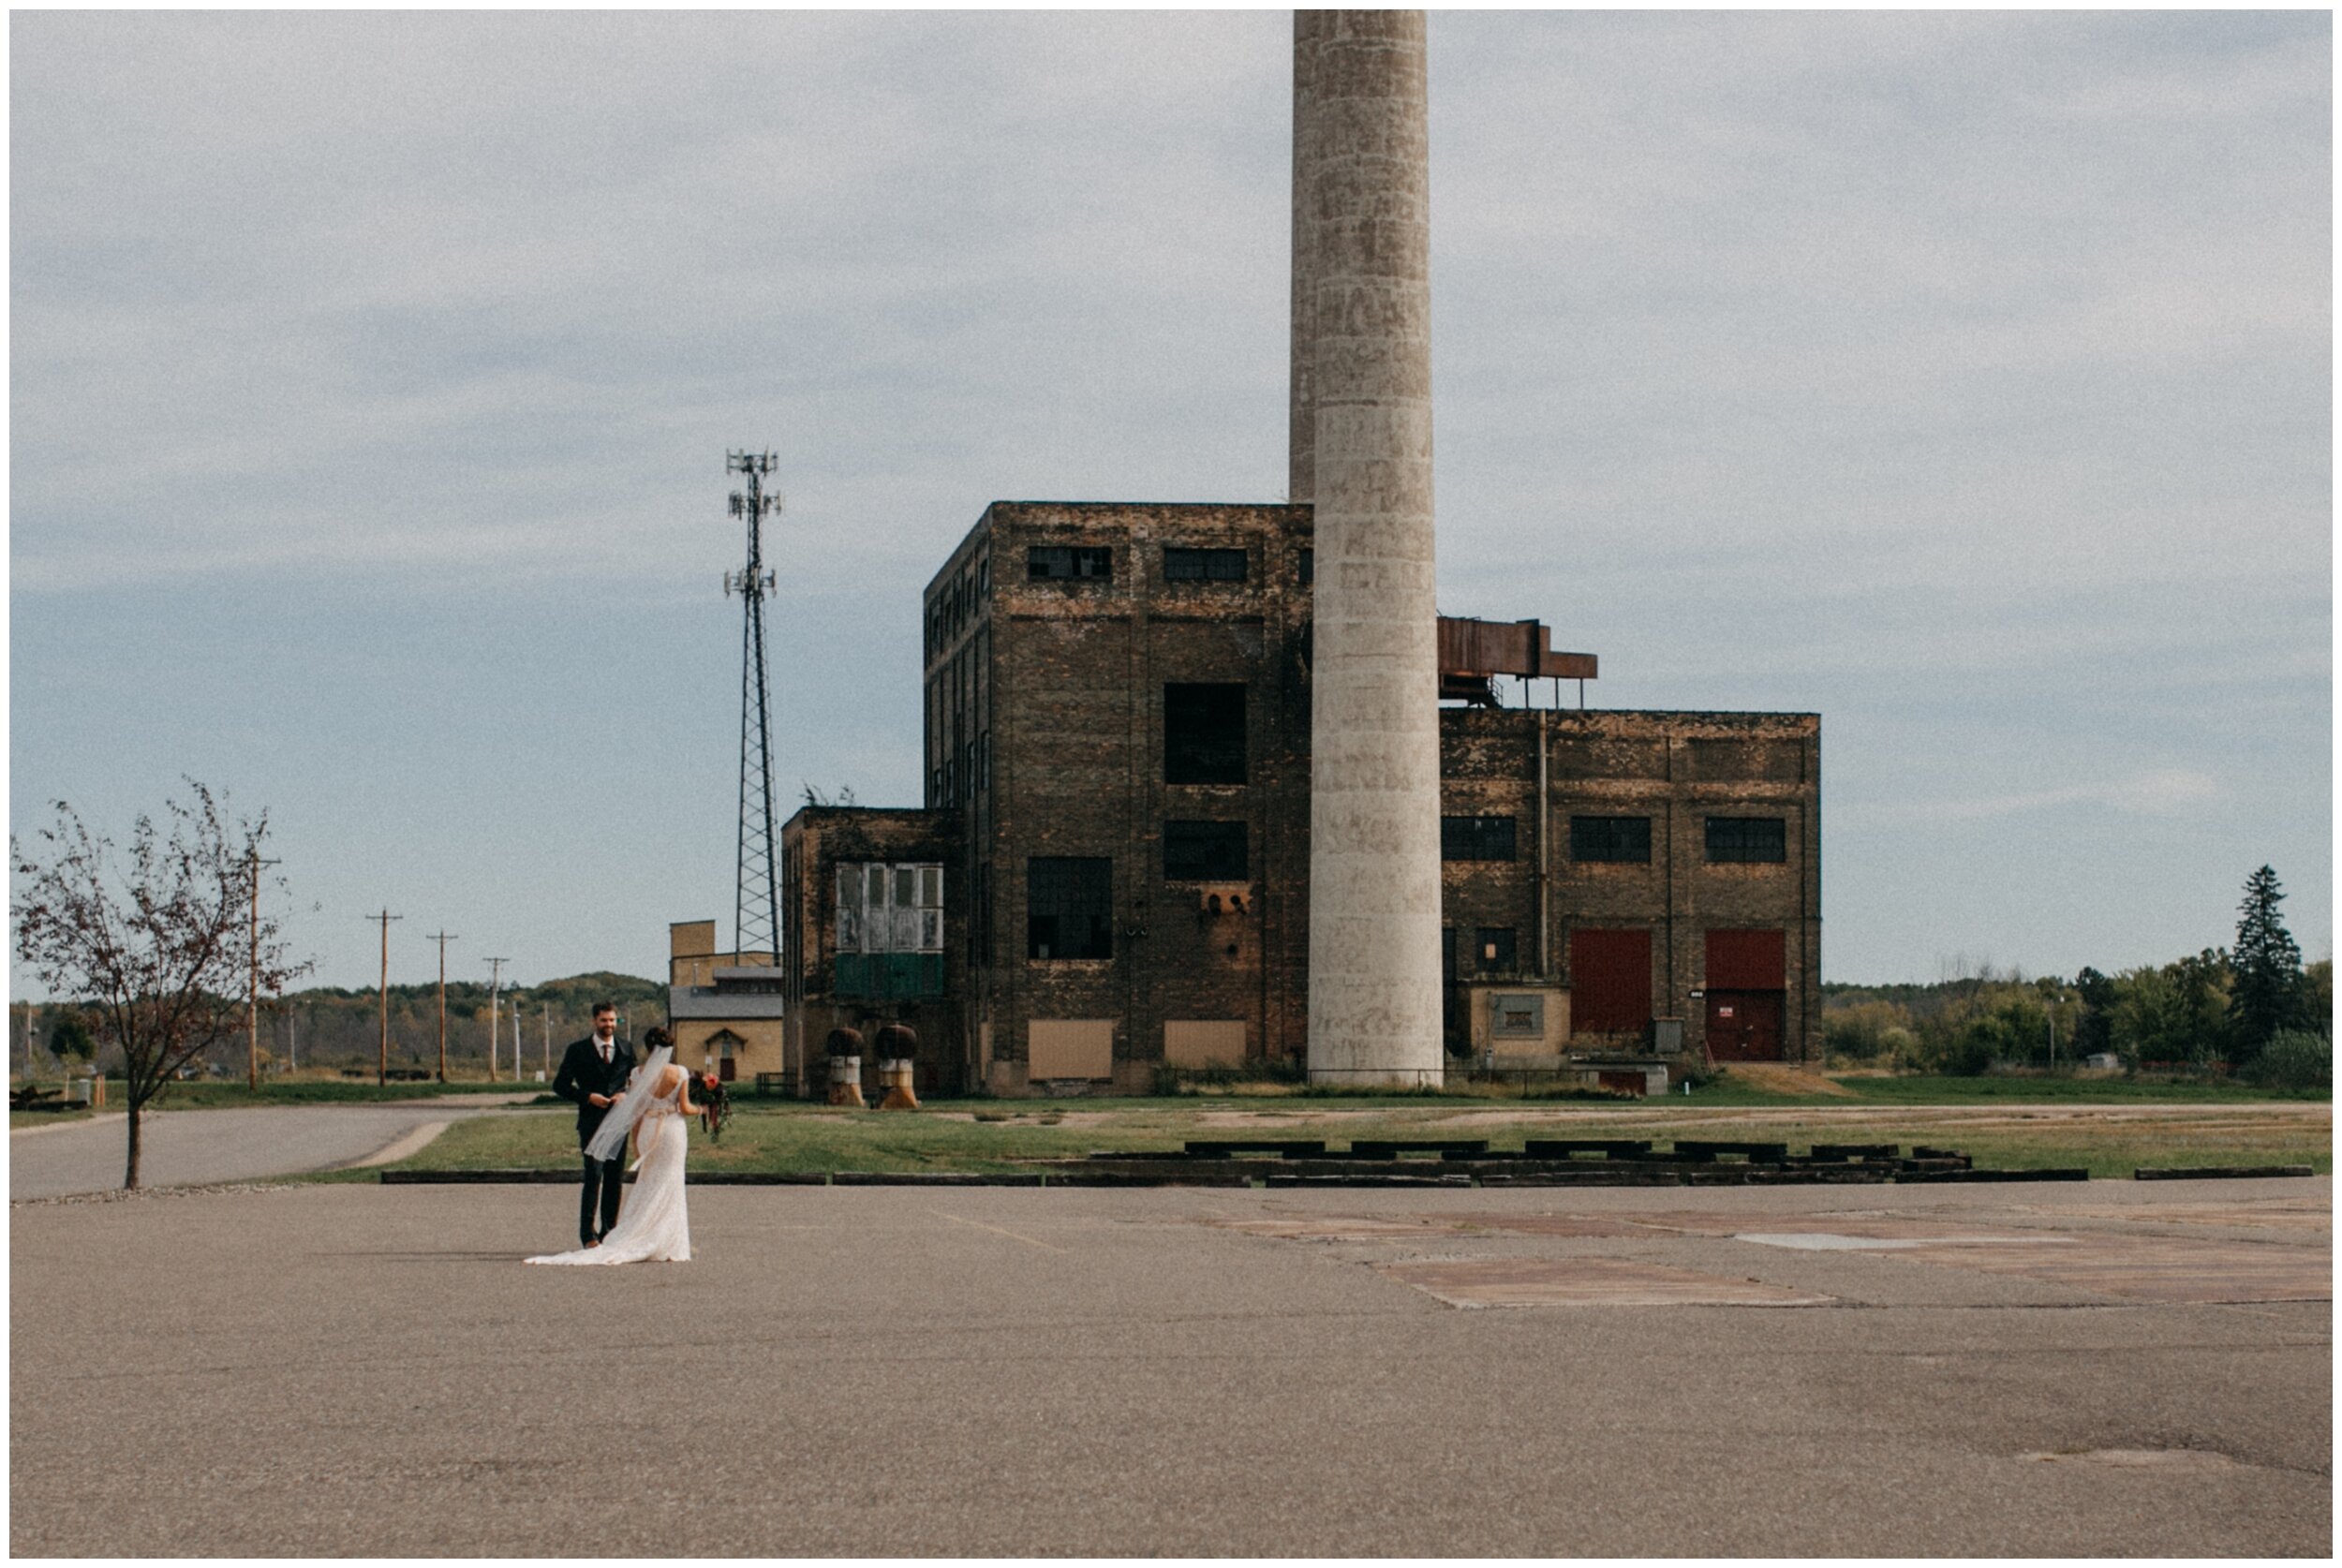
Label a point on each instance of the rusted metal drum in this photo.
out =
(845, 1067)
(898, 1047)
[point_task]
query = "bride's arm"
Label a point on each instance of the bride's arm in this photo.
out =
(683, 1098)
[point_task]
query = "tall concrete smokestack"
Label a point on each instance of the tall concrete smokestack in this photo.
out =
(1362, 396)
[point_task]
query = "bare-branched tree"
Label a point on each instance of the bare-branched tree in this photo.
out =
(154, 942)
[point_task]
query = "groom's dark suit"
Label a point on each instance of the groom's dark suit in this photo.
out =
(582, 1073)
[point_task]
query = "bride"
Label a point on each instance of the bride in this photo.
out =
(652, 1225)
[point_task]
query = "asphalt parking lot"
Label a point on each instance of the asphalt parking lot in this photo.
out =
(2109, 1368)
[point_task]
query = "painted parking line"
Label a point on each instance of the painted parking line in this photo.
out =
(980, 1225)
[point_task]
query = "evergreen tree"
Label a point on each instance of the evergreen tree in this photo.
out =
(2267, 964)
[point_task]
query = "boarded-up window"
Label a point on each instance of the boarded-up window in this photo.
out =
(1747, 840)
(1185, 564)
(1610, 838)
(1609, 981)
(1589, 757)
(1728, 760)
(1204, 852)
(1071, 1048)
(1742, 959)
(1069, 908)
(887, 907)
(1516, 1016)
(1203, 1041)
(1202, 733)
(1475, 839)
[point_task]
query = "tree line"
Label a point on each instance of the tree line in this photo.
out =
(332, 1028)
(2254, 1010)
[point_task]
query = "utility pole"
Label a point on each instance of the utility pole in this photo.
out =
(517, 1038)
(495, 981)
(442, 939)
(756, 902)
(252, 1060)
(382, 1067)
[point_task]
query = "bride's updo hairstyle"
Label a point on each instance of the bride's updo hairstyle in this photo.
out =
(656, 1039)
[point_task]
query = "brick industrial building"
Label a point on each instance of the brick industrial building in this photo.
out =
(1112, 875)
(1109, 877)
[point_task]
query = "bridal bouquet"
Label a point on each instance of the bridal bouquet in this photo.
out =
(715, 1105)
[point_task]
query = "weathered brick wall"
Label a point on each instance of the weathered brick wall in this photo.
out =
(813, 843)
(1677, 769)
(1075, 671)
(1044, 737)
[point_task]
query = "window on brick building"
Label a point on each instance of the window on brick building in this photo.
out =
(1610, 838)
(1203, 735)
(1049, 563)
(1184, 564)
(1497, 949)
(1204, 852)
(1069, 906)
(1747, 839)
(1308, 567)
(889, 908)
(1475, 839)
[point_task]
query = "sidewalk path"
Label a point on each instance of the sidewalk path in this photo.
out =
(193, 1147)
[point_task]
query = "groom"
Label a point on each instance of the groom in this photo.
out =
(593, 1073)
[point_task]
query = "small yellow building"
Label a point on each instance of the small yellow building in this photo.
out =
(724, 1008)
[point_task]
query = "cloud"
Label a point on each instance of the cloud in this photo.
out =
(2158, 792)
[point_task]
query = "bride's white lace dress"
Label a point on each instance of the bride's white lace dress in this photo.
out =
(653, 1226)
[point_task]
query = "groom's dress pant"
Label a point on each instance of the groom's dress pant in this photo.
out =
(604, 1181)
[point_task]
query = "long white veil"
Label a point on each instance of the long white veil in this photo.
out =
(610, 1137)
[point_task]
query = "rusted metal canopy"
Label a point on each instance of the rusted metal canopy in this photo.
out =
(1470, 648)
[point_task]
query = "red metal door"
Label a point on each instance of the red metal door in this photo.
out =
(1744, 1026)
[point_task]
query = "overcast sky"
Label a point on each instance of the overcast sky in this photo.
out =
(1964, 377)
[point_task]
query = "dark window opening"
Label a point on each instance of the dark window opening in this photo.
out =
(1475, 839)
(1052, 563)
(1069, 908)
(1747, 839)
(1610, 838)
(1447, 954)
(1203, 735)
(1497, 951)
(1308, 566)
(1204, 852)
(1181, 564)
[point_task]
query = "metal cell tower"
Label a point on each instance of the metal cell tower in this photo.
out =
(756, 907)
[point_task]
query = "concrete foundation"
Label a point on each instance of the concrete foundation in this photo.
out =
(1362, 238)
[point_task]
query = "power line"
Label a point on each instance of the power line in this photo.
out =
(382, 1068)
(496, 982)
(442, 939)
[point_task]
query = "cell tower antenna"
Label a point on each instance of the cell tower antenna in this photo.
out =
(756, 904)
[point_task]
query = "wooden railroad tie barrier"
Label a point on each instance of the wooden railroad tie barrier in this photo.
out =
(1284, 1148)
(1569, 1149)
(1393, 1148)
(1755, 1153)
